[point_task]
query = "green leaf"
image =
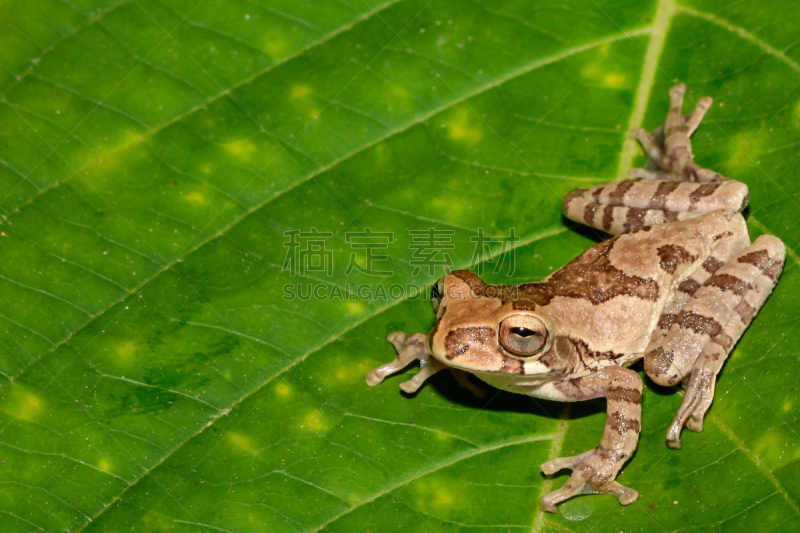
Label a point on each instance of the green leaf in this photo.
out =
(155, 157)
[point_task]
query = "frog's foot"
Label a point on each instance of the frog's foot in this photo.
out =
(696, 401)
(668, 148)
(593, 473)
(408, 350)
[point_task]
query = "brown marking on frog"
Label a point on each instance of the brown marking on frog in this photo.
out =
(712, 264)
(476, 284)
(617, 196)
(672, 255)
(608, 217)
(621, 424)
(759, 259)
(591, 277)
(706, 189)
(689, 286)
(698, 323)
(724, 340)
(666, 320)
(774, 270)
(634, 218)
(745, 311)
(523, 305)
(624, 394)
(659, 198)
(658, 362)
(589, 211)
(728, 283)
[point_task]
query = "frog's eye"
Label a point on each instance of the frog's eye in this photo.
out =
(436, 295)
(523, 335)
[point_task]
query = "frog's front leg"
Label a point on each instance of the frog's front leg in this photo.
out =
(594, 471)
(412, 349)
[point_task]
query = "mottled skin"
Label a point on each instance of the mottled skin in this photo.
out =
(677, 285)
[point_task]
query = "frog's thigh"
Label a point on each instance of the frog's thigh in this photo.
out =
(709, 314)
(626, 205)
(731, 237)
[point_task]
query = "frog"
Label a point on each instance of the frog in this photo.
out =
(675, 285)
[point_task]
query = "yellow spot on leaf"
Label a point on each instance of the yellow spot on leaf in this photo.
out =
(274, 45)
(464, 127)
(787, 406)
(435, 493)
(314, 421)
(744, 149)
(126, 352)
(283, 390)
(240, 148)
(299, 91)
(242, 443)
(22, 404)
(397, 92)
(356, 308)
(614, 80)
(195, 198)
(104, 465)
(770, 449)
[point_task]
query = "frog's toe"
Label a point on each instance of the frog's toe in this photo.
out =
(696, 401)
(625, 495)
(674, 436)
(397, 338)
(551, 467)
(695, 423)
(577, 485)
(408, 350)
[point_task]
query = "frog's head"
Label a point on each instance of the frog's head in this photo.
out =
(484, 328)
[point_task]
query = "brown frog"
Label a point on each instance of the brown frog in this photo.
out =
(676, 285)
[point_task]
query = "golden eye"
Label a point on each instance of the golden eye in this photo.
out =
(523, 335)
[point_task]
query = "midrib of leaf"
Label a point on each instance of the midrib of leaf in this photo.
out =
(555, 452)
(181, 256)
(661, 24)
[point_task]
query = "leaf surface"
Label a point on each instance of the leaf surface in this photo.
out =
(155, 373)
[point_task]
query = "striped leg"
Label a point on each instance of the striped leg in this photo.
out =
(627, 205)
(595, 470)
(705, 330)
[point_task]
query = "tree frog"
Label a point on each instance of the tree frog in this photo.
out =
(676, 285)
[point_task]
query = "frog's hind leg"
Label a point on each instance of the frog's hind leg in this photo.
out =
(700, 337)
(623, 206)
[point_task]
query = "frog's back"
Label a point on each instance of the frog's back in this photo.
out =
(614, 292)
